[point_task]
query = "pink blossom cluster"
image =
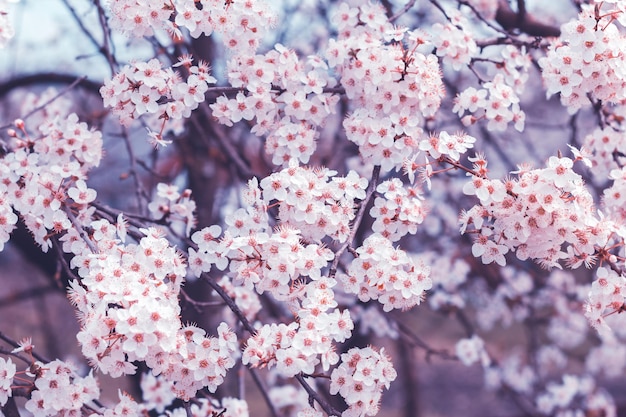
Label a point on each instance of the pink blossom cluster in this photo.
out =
(606, 148)
(587, 62)
(125, 407)
(260, 259)
(614, 197)
(535, 215)
(575, 395)
(7, 373)
(454, 43)
(199, 407)
(242, 24)
(178, 208)
(315, 201)
(445, 144)
(393, 88)
(301, 345)
(448, 275)
(43, 177)
(606, 296)
(512, 374)
(360, 379)
(284, 96)
(59, 391)
(514, 67)
(147, 88)
(128, 304)
(384, 273)
(471, 350)
(397, 210)
(156, 392)
(496, 102)
(50, 104)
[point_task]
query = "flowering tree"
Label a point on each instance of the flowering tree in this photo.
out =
(324, 185)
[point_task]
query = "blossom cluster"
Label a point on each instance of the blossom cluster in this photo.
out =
(605, 148)
(156, 392)
(315, 201)
(241, 24)
(200, 407)
(496, 102)
(471, 350)
(398, 210)
(43, 177)
(575, 396)
(607, 296)
(448, 276)
(127, 301)
(384, 273)
(283, 96)
(259, 258)
(310, 203)
(614, 197)
(360, 379)
(299, 346)
(586, 62)
(174, 206)
(535, 215)
(393, 88)
(455, 44)
(148, 88)
(7, 372)
(59, 391)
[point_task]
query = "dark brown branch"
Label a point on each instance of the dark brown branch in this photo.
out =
(523, 21)
(329, 409)
(10, 408)
(45, 78)
(402, 11)
(521, 11)
(415, 341)
(230, 303)
(14, 344)
(264, 394)
(26, 294)
(371, 187)
(246, 324)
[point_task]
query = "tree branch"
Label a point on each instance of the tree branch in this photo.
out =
(523, 21)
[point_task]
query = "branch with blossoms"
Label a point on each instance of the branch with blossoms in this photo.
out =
(306, 262)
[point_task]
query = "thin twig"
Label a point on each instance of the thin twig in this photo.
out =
(15, 344)
(25, 295)
(371, 187)
(106, 35)
(229, 302)
(329, 409)
(81, 231)
(139, 190)
(416, 341)
(47, 102)
(242, 166)
(263, 391)
(403, 10)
